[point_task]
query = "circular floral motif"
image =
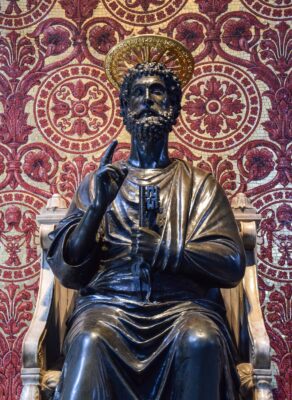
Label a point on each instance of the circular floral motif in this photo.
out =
(235, 32)
(275, 235)
(190, 34)
(37, 165)
(221, 108)
(76, 109)
(270, 9)
(144, 12)
(102, 38)
(56, 40)
(18, 235)
(19, 15)
(259, 163)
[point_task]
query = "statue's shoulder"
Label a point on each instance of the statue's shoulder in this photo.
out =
(201, 181)
(198, 175)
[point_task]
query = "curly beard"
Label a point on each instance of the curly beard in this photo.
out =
(151, 128)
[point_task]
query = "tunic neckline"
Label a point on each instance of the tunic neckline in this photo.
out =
(137, 174)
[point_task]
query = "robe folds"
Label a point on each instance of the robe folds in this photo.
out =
(138, 311)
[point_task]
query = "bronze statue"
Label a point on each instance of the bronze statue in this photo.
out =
(148, 242)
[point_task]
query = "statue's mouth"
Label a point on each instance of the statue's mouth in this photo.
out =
(146, 113)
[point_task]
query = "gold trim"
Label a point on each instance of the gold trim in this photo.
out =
(145, 49)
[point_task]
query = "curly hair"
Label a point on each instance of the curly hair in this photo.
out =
(172, 83)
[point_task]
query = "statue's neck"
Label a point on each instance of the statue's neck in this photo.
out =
(149, 155)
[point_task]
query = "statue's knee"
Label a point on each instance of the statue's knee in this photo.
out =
(203, 340)
(88, 339)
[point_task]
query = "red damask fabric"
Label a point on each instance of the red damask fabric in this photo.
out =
(58, 113)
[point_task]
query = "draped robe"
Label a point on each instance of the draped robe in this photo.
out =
(139, 311)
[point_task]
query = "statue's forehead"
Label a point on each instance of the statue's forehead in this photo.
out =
(147, 80)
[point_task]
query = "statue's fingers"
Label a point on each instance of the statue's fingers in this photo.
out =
(117, 172)
(108, 155)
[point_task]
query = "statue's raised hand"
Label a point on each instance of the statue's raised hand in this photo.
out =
(108, 179)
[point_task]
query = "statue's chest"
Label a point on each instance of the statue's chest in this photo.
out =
(138, 205)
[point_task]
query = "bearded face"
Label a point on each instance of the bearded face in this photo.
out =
(150, 127)
(149, 114)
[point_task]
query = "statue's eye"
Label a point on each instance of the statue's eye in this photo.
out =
(158, 90)
(138, 91)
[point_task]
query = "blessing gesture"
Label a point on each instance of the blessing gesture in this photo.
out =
(108, 179)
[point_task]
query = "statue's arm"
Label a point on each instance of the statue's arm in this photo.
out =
(74, 253)
(213, 253)
(82, 240)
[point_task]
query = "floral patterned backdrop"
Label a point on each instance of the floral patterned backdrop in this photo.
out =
(58, 113)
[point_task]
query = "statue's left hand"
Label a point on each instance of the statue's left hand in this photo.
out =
(145, 243)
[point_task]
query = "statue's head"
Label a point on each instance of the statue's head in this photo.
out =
(150, 98)
(150, 92)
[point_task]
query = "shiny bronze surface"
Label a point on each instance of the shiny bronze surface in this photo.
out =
(148, 243)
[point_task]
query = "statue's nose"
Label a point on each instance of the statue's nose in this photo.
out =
(147, 98)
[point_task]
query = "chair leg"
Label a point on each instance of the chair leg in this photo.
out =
(262, 381)
(31, 384)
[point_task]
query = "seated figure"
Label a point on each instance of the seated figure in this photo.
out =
(148, 243)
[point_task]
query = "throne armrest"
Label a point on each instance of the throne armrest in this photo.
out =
(248, 220)
(259, 340)
(33, 361)
(259, 343)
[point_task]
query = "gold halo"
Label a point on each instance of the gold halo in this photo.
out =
(148, 48)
